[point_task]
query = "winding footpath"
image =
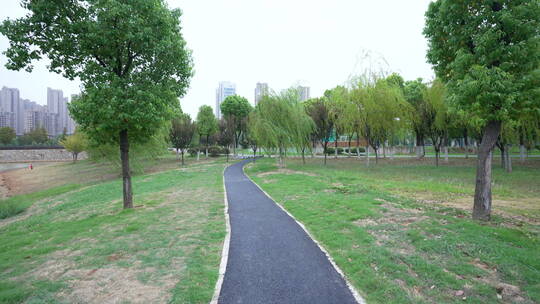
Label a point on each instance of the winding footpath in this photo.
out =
(271, 259)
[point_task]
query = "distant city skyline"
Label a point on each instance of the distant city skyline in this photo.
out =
(24, 115)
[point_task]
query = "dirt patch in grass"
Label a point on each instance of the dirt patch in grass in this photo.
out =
(114, 284)
(286, 172)
(517, 212)
(506, 292)
(393, 216)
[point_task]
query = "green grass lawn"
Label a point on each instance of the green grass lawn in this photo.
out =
(74, 243)
(397, 249)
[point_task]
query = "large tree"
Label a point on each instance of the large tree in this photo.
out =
(207, 124)
(235, 110)
(488, 53)
(182, 132)
(129, 55)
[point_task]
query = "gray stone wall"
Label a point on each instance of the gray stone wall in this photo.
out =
(38, 155)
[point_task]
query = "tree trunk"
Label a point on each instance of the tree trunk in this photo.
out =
(508, 165)
(418, 146)
(336, 147)
(376, 155)
(503, 155)
(126, 175)
(445, 148)
(325, 152)
(198, 154)
(177, 154)
(206, 152)
(466, 139)
(522, 153)
(436, 157)
(367, 155)
(303, 156)
(482, 195)
(349, 148)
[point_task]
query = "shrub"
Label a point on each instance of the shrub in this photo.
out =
(215, 151)
(193, 151)
(330, 151)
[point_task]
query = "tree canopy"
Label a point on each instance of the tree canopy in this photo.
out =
(487, 53)
(129, 55)
(7, 135)
(182, 132)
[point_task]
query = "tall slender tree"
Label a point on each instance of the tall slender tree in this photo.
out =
(235, 110)
(207, 124)
(129, 55)
(182, 132)
(318, 110)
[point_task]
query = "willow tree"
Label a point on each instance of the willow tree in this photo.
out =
(129, 56)
(487, 52)
(436, 118)
(336, 100)
(279, 122)
(414, 91)
(381, 107)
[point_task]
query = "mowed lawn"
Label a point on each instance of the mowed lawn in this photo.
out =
(75, 244)
(402, 233)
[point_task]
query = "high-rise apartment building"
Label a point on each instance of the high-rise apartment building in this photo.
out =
(224, 90)
(261, 89)
(34, 119)
(304, 93)
(23, 115)
(10, 101)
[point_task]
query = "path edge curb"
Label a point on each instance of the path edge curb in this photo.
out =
(226, 244)
(353, 290)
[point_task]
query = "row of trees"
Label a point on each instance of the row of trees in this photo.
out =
(36, 136)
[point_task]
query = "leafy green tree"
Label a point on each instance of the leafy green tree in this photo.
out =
(181, 134)
(75, 144)
(319, 112)
(37, 136)
(129, 55)
(225, 135)
(207, 124)
(236, 109)
(380, 107)
(279, 122)
(436, 118)
(7, 135)
(487, 52)
(337, 99)
(414, 94)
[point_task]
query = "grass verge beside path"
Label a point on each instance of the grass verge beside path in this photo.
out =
(78, 245)
(395, 249)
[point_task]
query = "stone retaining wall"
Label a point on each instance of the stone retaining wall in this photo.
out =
(37, 155)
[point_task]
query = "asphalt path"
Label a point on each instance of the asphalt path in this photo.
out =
(271, 258)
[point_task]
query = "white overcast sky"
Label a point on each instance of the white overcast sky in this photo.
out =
(317, 43)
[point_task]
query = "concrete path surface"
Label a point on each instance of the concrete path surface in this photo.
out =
(271, 258)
